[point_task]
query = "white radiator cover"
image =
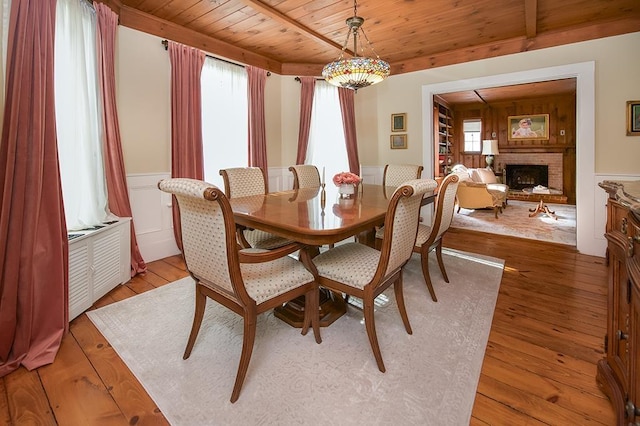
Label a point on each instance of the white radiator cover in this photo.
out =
(99, 260)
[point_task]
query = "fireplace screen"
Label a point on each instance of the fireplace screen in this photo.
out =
(520, 176)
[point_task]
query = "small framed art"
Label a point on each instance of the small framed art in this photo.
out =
(399, 141)
(633, 118)
(399, 122)
(532, 126)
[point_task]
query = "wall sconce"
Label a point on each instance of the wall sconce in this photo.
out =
(490, 148)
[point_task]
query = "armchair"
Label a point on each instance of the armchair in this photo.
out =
(479, 189)
(248, 282)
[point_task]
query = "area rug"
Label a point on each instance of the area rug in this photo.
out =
(515, 221)
(431, 376)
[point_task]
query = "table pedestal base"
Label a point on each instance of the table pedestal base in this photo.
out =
(542, 208)
(332, 307)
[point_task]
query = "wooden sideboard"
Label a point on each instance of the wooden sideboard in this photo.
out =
(618, 373)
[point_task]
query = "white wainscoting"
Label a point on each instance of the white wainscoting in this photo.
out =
(151, 210)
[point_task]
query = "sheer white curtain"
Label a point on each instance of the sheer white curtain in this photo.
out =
(5, 10)
(77, 115)
(327, 147)
(224, 118)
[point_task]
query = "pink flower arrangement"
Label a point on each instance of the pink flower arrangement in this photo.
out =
(346, 178)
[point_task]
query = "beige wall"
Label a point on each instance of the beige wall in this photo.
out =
(144, 103)
(616, 82)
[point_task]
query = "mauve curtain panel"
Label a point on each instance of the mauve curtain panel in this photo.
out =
(347, 107)
(118, 193)
(186, 118)
(306, 105)
(34, 313)
(256, 80)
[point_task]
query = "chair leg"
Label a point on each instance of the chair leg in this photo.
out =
(398, 290)
(248, 338)
(370, 325)
(441, 262)
(424, 260)
(201, 303)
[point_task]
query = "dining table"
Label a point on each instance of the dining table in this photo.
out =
(315, 217)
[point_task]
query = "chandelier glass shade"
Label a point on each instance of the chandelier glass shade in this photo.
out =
(359, 71)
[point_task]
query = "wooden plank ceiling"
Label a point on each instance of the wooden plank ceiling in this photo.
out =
(297, 37)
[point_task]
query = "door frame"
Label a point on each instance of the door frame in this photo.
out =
(587, 240)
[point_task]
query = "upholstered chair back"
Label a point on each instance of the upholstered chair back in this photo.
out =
(305, 176)
(445, 204)
(208, 233)
(401, 221)
(243, 181)
(397, 174)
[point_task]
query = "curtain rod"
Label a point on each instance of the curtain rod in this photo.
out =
(317, 79)
(165, 43)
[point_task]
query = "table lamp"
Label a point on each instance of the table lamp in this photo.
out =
(490, 148)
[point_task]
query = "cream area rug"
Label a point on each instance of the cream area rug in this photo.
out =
(431, 376)
(515, 221)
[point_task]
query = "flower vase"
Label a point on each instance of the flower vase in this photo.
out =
(346, 190)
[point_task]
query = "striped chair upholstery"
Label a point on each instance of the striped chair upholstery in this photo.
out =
(362, 271)
(397, 174)
(430, 237)
(249, 282)
(244, 182)
(305, 176)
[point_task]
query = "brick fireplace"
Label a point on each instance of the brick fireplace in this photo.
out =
(553, 161)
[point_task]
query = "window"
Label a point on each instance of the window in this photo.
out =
(225, 116)
(78, 116)
(471, 129)
(327, 146)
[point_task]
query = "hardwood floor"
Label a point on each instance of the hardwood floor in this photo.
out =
(539, 368)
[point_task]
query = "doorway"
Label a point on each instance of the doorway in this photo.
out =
(586, 241)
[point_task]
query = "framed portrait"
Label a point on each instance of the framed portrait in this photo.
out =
(399, 141)
(532, 126)
(399, 122)
(633, 118)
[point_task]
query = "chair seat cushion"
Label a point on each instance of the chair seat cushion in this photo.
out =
(264, 240)
(266, 280)
(423, 234)
(352, 264)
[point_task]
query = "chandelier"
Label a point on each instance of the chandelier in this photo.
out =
(358, 71)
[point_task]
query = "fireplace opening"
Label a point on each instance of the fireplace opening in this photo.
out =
(520, 176)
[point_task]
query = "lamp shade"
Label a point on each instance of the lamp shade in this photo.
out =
(490, 147)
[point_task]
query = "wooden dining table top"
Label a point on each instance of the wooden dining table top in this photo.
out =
(300, 215)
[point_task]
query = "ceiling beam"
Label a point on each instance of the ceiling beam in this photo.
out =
(530, 17)
(291, 23)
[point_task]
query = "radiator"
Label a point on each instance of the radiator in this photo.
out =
(99, 260)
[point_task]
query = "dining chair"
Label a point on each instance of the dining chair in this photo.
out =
(305, 176)
(364, 272)
(248, 282)
(429, 238)
(244, 182)
(397, 174)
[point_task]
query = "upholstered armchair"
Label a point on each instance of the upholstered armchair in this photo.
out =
(364, 272)
(479, 189)
(248, 282)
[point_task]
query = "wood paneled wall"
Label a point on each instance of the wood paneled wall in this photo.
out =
(562, 119)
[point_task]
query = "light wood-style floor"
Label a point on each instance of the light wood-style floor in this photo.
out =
(539, 367)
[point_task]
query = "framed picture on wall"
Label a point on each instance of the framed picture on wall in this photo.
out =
(633, 118)
(399, 122)
(532, 126)
(399, 141)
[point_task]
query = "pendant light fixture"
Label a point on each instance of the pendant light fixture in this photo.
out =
(359, 71)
